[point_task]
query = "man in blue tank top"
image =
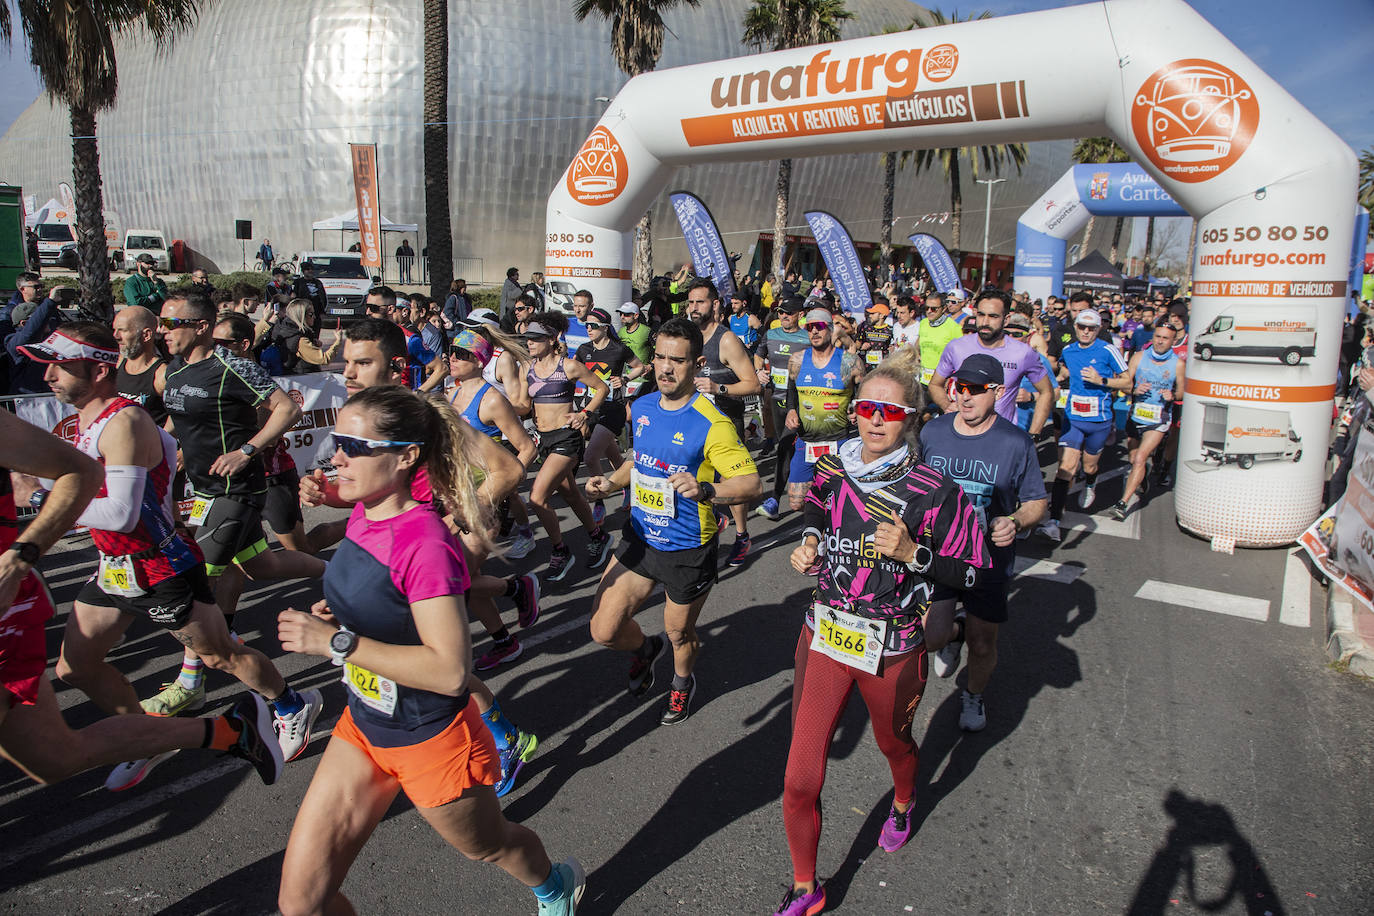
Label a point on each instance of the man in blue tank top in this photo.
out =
(1156, 375)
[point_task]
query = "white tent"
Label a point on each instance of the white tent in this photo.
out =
(53, 212)
(348, 222)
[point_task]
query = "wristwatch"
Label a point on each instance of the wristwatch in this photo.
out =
(38, 497)
(248, 449)
(707, 491)
(342, 644)
(722, 389)
(28, 552)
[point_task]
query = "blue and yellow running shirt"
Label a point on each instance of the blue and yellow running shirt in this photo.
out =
(696, 438)
(1091, 402)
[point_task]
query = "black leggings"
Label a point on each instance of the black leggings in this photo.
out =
(787, 443)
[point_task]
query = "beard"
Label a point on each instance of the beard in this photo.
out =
(988, 335)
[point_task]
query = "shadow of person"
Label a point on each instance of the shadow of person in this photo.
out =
(1030, 657)
(1199, 825)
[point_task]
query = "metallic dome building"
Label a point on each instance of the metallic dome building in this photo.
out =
(249, 116)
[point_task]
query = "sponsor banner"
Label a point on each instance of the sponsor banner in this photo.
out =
(1357, 258)
(1291, 394)
(319, 395)
(938, 262)
(1122, 189)
(709, 257)
(594, 273)
(1269, 289)
(842, 260)
(1341, 541)
(364, 156)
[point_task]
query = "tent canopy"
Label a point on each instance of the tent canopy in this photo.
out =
(348, 222)
(1094, 273)
(48, 214)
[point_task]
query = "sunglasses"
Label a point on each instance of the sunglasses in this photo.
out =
(356, 447)
(593, 325)
(462, 355)
(891, 413)
(222, 342)
(973, 388)
(172, 324)
(818, 326)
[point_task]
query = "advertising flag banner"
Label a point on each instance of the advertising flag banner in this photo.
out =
(709, 257)
(364, 157)
(1337, 540)
(938, 263)
(842, 260)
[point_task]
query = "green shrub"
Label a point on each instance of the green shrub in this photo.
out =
(254, 278)
(485, 298)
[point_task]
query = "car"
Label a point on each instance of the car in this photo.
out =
(345, 280)
(150, 242)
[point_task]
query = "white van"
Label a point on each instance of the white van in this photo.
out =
(147, 241)
(345, 281)
(1287, 333)
(1244, 435)
(51, 238)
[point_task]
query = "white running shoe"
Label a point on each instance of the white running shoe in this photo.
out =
(127, 775)
(1085, 496)
(1050, 529)
(521, 543)
(293, 731)
(972, 718)
(946, 661)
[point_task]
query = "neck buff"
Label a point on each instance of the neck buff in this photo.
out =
(875, 474)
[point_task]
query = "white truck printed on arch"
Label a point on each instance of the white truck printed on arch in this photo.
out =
(1288, 335)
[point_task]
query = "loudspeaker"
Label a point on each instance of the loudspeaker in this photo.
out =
(243, 230)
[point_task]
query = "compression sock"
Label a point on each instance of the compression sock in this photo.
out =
(502, 637)
(1059, 494)
(552, 888)
(513, 587)
(220, 733)
(680, 682)
(289, 703)
(500, 727)
(192, 673)
(1090, 480)
(647, 648)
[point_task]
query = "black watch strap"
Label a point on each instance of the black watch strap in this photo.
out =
(28, 552)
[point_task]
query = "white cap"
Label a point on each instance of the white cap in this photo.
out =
(627, 308)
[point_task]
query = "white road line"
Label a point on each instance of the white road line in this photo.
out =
(1204, 599)
(1102, 478)
(1100, 524)
(1063, 573)
(1297, 592)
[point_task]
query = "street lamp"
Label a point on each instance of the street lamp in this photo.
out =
(987, 222)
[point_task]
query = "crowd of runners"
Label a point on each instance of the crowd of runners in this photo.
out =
(909, 440)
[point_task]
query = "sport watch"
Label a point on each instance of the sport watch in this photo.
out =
(248, 449)
(342, 644)
(28, 552)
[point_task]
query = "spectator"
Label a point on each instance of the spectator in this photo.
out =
(266, 257)
(144, 287)
(31, 247)
(244, 299)
(307, 287)
(457, 306)
(28, 287)
(200, 282)
(539, 288)
(510, 291)
(405, 260)
(33, 323)
(279, 285)
(297, 345)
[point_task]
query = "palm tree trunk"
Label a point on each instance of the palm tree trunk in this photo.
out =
(1087, 236)
(1192, 250)
(644, 252)
(780, 217)
(1149, 243)
(93, 266)
(956, 210)
(889, 192)
(438, 227)
(1116, 241)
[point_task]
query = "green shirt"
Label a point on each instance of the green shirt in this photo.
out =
(145, 291)
(932, 339)
(638, 342)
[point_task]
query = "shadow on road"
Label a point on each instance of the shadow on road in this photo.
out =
(1200, 825)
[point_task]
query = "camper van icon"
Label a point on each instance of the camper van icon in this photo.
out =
(596, 171)
(1195, 112)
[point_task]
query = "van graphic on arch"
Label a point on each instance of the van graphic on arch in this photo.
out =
(1243, 333)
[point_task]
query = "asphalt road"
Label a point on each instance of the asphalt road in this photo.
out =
(1149, 749)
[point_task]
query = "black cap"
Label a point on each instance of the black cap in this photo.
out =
(145, 258)
(791, 304)
(980, 369)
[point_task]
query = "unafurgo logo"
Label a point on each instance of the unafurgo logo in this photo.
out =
(598, 174)
(1194, 118)
(940, 63)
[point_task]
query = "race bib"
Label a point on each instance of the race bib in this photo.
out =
(375, 691)
(1080, 406)
(873, 357)
(1062, 399)
(1147, 414)
(117, 577)
(779, 377)
(927, 375)
(653, 495)
(200, 508)
(815, 450)
(855, 641)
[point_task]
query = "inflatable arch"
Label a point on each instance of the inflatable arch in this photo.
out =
(1270, 185)
(1043, 231)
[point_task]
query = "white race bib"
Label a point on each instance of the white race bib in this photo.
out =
(653, 495)
(855, 641)
(375, 691)
(199, 510)
(1062, 399)
(1080, 406)
(873, 357)
(1147, 414)
(779, 377)
(927, 375)
(117, 577)
(815, 450)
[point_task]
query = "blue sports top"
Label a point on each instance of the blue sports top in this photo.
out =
(747, 334)
(472, 412)
(1088, 402)
(696, 438)
(1155, 405)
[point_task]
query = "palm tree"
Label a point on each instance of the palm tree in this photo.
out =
(1367, 178)
(892, 161)
(778, 25)
(1097, 150)
(438, 226)
(636, 43)
(71, 45)
(981, 159)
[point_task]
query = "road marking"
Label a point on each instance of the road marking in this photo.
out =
(1063, 573)
(1297, 592)
(1204, 599)
(1098, 524)
(1102, 478)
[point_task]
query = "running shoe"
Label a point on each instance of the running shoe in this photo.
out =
(642, 670)
(1118, 510)
(679, 704)
(1050, 529)
(768, 509)
(256, 742)
(560, 563)
(739, 552)
(598, 512)
(497, 655)
(175, 700)
(972, 718)
(896, 829)
(527, 600)
(513, 758)
(767, 448)
(722, 521)
(1166, 479)
(574, 886)
(521, 544)
(128, 775)
(598, 550)
(797, 902)
(1085, 496)
(946, 661)
(293, 731)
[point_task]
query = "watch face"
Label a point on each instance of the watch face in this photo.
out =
(341, 641)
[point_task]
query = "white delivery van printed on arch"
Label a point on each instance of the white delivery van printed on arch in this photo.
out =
(1241, 435)
(1287, 333)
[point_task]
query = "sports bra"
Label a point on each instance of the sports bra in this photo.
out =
(472, 413)
(556, 389)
